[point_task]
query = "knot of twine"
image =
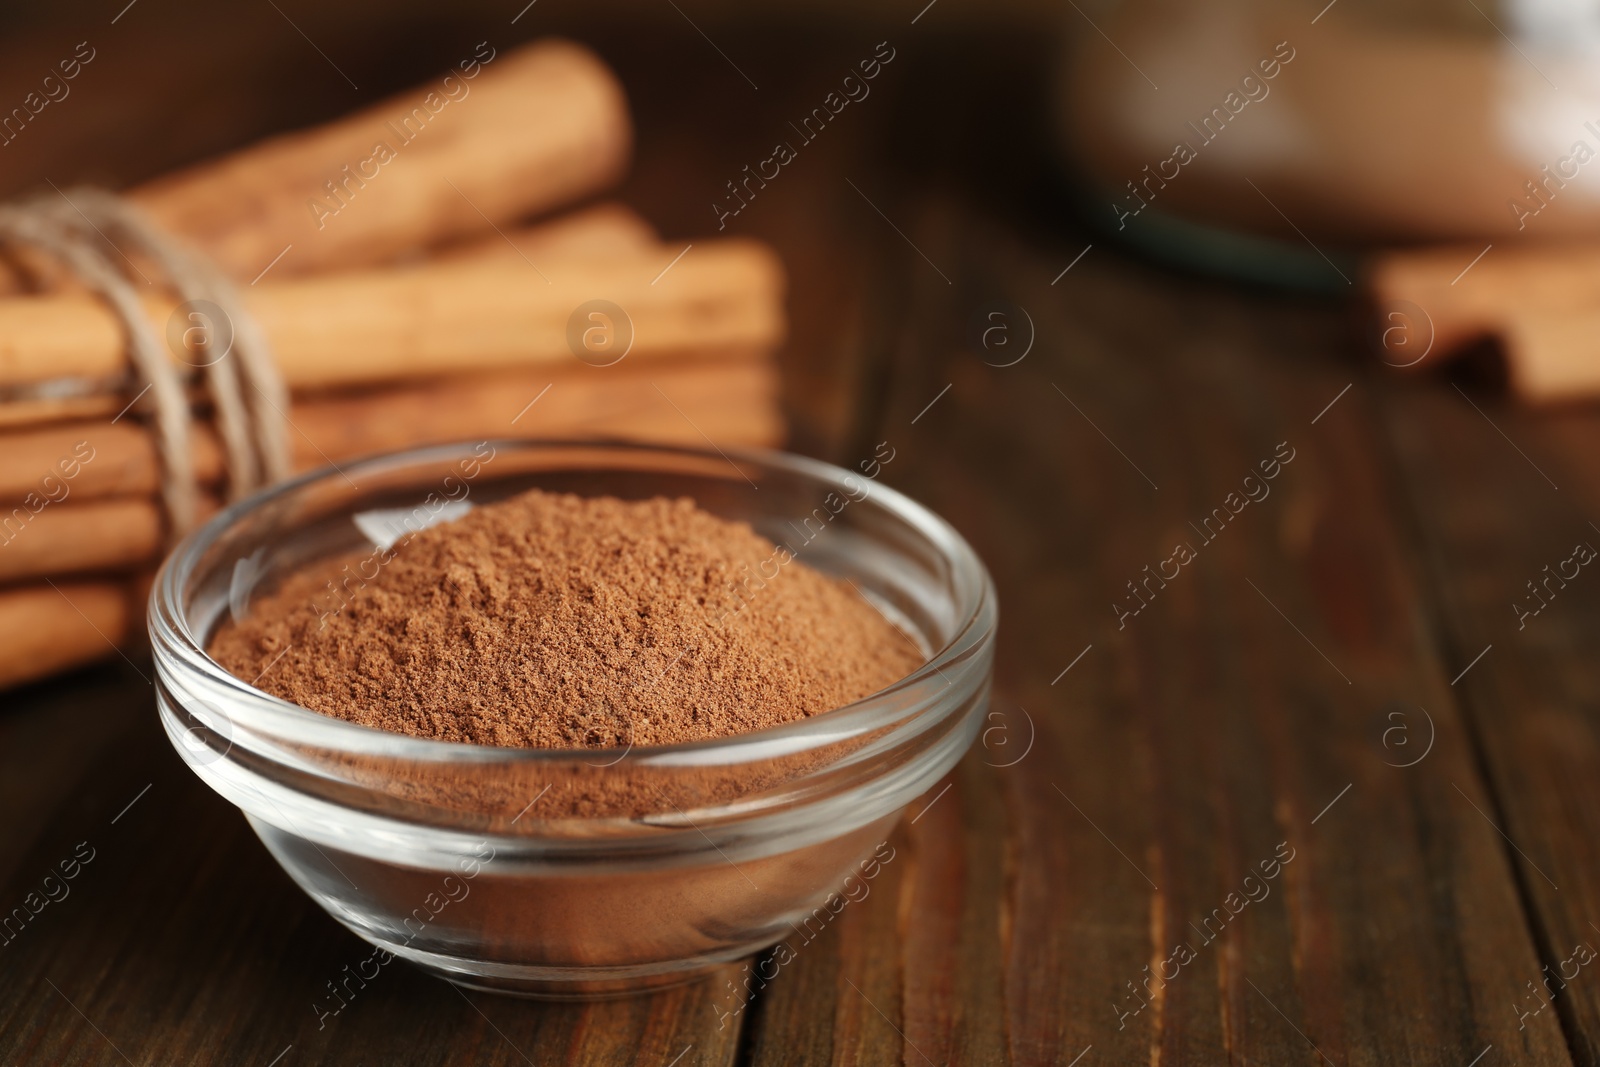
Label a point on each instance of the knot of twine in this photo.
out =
(84, 229)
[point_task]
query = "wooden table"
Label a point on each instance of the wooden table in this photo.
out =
(1322, 756)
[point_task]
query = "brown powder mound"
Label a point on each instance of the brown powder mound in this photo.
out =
(559, 621)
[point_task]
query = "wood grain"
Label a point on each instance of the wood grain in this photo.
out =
(1498, 497)
(1243, 711)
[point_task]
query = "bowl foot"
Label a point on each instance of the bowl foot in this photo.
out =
(565, 983)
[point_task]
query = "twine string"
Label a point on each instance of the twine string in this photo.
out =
(240, 374)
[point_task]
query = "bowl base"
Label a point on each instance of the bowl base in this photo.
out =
(565, 983)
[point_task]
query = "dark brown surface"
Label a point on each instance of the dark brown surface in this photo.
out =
(1271, 693)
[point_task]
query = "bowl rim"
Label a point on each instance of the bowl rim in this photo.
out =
(173, 638)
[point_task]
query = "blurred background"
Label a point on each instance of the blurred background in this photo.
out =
(970, 110)
(1267, 143)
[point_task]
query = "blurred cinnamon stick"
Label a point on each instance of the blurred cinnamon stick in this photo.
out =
(1542, 305)
(73, 538)
(464, 314)
(44, 628)
(498, 138)
(599, 232)
(604, 231)
(1551, 355)
(32, 411)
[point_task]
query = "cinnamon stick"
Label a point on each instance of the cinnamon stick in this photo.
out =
(499, 137)
(112, 459)
(604, 231)
(1464, 299)
(599, 232)
(71, 538)
(34, 410)
(458, 315)
(731, 402)
(45, 629)
(1541, 304)
(1550, 355)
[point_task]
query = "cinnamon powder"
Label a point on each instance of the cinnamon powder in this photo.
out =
(553, 621)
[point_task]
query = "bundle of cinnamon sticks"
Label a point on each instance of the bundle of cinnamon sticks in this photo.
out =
(390, 260)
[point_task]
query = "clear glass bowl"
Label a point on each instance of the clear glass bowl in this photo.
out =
(579, 872)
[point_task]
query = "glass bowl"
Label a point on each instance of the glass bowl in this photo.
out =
(590, 871)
